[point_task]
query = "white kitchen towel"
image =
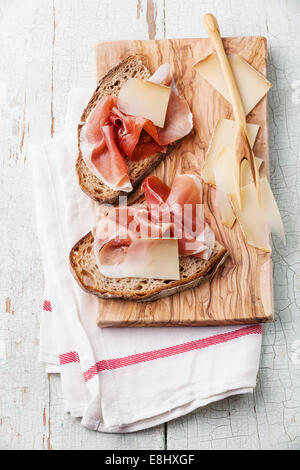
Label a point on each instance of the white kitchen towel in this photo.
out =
(120, 380)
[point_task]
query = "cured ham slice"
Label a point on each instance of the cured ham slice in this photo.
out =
(178, 123)
(185, 206)
(111, 162)
(100, 150)
(179, 119)
(137, 136)
(110, 136)
(174, 212)
(98, 118)
(155, 190)
(164, 76)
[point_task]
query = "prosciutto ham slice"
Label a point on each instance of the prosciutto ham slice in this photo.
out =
(174, 212)
(99, 148)
(110, 136)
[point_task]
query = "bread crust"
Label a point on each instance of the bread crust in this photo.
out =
(208, 272)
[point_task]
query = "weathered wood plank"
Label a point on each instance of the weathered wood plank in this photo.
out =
(80, 25)
(270, 419)
(25, 63)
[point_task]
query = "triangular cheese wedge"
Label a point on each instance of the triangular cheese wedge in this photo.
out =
(257, 221)
(251, 84)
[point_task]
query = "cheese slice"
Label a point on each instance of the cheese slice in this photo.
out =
(145, 99)
(226, 173)
(251, 84)
(271, 211)
(147, 258)
(223, 136)
(224, 207)
(246, 175)
(226, 178)
(257, 221)
(251, 220)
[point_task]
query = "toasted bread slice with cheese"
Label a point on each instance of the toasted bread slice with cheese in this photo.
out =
(110, 84)
(193, 271)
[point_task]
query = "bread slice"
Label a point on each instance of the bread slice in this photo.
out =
(110, 84)
(193, 271)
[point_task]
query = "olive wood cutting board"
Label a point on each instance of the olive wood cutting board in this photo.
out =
(241, 291)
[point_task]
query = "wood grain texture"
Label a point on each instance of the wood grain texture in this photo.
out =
(240, 292)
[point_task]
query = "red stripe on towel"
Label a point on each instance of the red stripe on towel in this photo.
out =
(111, 364)
(69, 357)
(47, 306)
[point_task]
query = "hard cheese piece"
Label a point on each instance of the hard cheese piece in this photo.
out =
(251, 219)
(224, 207)
(252, 84)
(147, 258)
(223, 136)
(270, 209)
(226, 182)
(145, 99)
(257, 221)
(246, 175)
(226, 178)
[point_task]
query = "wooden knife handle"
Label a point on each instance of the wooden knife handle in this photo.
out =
(242, 147)
(212, 28)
